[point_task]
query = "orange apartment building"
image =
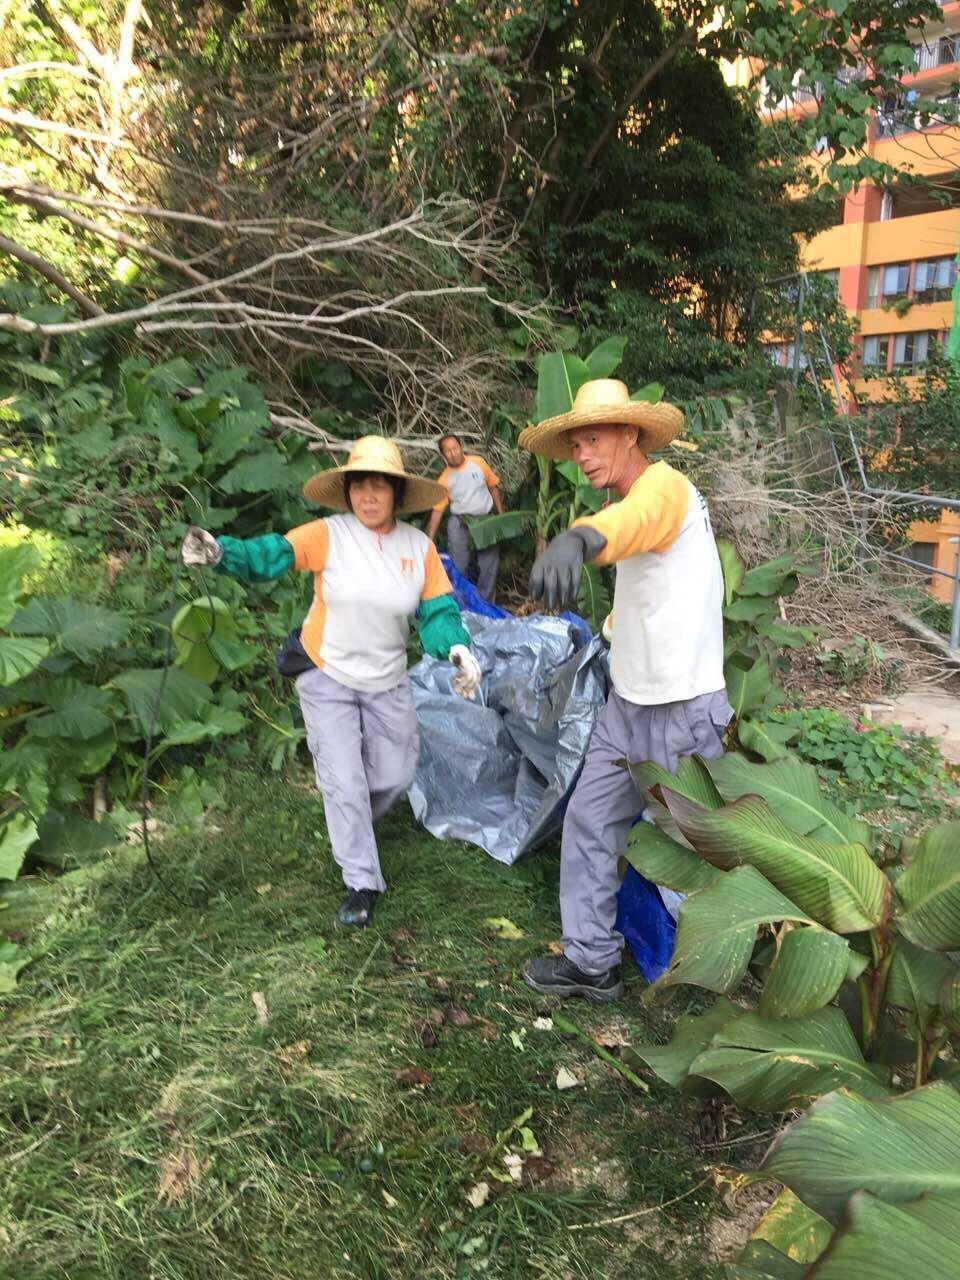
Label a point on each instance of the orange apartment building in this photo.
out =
(893, 256)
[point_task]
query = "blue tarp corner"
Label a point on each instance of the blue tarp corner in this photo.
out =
(646, 924)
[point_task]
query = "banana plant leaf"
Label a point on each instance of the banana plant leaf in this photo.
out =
(777, 1064)
(692, 780)
(747, 687)
(718, 929)
(559, 377)
(806, 973)
(837, 884)
(761, 1261)
(733, 569)
(793, 1229)
(792, 789)
(691, 1035)
(898, 1148)
(655, 855)
(603, 359)
(915, 979)
(766, 738)
(880, 1241)
(929, 889)
(486, 531)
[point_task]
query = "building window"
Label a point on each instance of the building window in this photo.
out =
(933, 279)
(876, 348)
(886, 207)
(791, 361)
(910, 349)
(886, 284)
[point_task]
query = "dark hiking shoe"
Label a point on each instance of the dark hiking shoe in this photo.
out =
(558, 976)
(357, 907)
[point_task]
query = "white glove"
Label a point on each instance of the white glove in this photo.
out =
(607, 629)
(468, 681)
(200, 547)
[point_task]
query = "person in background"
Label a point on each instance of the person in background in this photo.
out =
(666, 655)
(473, 489)
(371, 572)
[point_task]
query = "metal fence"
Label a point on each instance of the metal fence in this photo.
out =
(805, 358)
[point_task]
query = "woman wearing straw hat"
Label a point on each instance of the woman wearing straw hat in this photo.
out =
(371, 573)
(666, 654)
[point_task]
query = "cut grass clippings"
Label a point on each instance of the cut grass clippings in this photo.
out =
(240, 1088)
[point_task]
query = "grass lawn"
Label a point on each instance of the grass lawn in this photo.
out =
(241, 1088)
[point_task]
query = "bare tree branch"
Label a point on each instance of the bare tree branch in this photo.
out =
(50, 272)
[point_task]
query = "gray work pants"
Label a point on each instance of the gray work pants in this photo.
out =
(460, 547)
(606, 802)
(364, 748)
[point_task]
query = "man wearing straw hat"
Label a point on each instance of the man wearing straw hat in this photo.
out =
(666, 654)
(371, 572)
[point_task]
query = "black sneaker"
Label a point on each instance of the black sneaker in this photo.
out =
(558, 976)
(357, 907)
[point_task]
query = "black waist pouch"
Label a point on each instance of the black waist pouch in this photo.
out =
(292, 658)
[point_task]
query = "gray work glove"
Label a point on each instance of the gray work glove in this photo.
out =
(555, 578)
(200, 548)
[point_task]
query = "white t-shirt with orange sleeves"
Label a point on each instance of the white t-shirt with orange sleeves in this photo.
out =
(469, 487)
(667, 641)
(367, 586)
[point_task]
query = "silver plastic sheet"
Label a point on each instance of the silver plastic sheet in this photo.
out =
(498, 772)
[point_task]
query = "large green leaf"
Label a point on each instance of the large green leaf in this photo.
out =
(15, 563)
(594, 601)
(765, 738)
(733, 569)
(750, 608)
(692, 780)
(651, 393)
(898, 1148)
(602, 360)
(761, 1261)
(75, 627)
(233, 431)
(17, 834)
(486, 531)
(776, 1064)
(23, 773)
(205, 638)
(71, 839)
(929, 889)
(77, 710)
(560, 375)
(161, 700)
(718, 929)
(13, 958)
(770, 578)
(837, 884)
(793, 1229)
(691, 1035)
(263, 472)
(792, 789)
(880, 1241)
(655, 855)
(747, 687)
(217, 722)
(915, 979)
(19, 655)
(807, 970)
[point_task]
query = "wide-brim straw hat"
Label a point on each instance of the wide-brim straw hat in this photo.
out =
(374, 453)
(604, 402)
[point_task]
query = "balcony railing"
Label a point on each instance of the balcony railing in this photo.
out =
(940, 54)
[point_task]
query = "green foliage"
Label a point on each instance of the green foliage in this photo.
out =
(867, 765)
(860, 659)
(852, 938)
